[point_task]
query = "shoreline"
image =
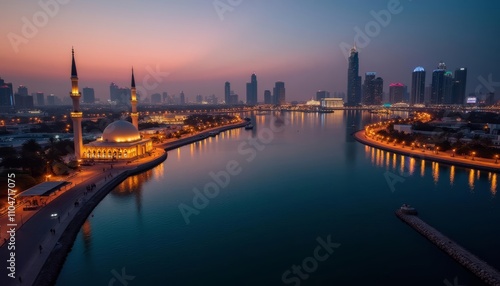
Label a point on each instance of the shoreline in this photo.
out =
(52, 266)
(417, 153)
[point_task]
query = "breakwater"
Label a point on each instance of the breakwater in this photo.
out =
(474, 264)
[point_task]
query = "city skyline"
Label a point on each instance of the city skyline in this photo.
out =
(309, 54)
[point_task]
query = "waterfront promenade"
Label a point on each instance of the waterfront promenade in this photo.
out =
(440, 156)
(480, 268)
(41, 251)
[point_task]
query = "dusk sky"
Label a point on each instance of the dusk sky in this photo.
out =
(199, 47)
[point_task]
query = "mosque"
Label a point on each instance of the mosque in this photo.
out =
(120, 140)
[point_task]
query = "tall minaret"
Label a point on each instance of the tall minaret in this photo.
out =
(76, 115)
(133, 101)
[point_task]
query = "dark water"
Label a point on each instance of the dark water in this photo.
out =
(295, 184)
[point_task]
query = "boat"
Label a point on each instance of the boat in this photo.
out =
(213, 133)
(407, 209)
(249, 126)
(325, 111)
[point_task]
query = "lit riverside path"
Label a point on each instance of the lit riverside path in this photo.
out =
(441, 156)
(36, 226)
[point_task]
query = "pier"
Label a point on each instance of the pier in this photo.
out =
(474, 264)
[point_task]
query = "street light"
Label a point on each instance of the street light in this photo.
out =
(413, 146)
(423, 148)
(403, 144)
(496, 159)
(453, 152)
(473, 154)
(437, 150)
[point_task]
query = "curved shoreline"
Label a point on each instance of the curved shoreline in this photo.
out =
(484, 166)
(53, 264)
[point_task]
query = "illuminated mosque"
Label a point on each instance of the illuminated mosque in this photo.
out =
(120, 140)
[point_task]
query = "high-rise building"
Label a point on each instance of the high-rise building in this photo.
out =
(88, 95)
(22, 90)
(155, 98)
(199, 99)
(268, 99)
(397, 92)
(227, 92)
(353, 79)
(448, 83)
(320, 94)
(40, 99)
(459, 86)
(252, 90)
(279, 93)
(23, 101)
(369, 88)
(51, 99)
(417, 86)
(378, 91)
(6, 94)
(233, 98)
(182, 98)
(438, 84)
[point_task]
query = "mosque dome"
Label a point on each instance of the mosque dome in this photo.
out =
(120, 131)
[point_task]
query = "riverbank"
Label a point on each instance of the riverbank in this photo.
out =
(55, 261)
(440, 157)
(481, 269)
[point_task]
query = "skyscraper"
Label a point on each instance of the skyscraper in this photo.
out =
(182, 98)
(320, 94)
(353, 79)
(6, 94)
(459, 86)
(396, 92)
(448, 87)
(76, 114)
(268, 99)
(22, 90)
(378, 91)
(438, 84)
(227, 92)
(417, 86)
(369, 88)
(88, 95)
(40, 99)
(279, 93)
(252, 90)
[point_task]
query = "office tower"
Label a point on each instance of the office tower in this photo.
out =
(369, 88)
(51, 99)
(164, 97)
(6, 94)
(88, 95)
(76, 114)
(114, 94)
(397, 92)
(182, 98)
(40, 99)
(459, 86)
(22, 90)
(268, 99)
(417, 86)
(199, 99)
(233, 98)
(23, 101)
(320, 94)
(353, 79)
(279, 93)
(227, 92)
(155, 98)
(438, 84)
(252, 90)
(378, 90)
(448, 84)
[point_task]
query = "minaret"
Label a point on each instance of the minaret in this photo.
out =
(133, 101)
(76, 115)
